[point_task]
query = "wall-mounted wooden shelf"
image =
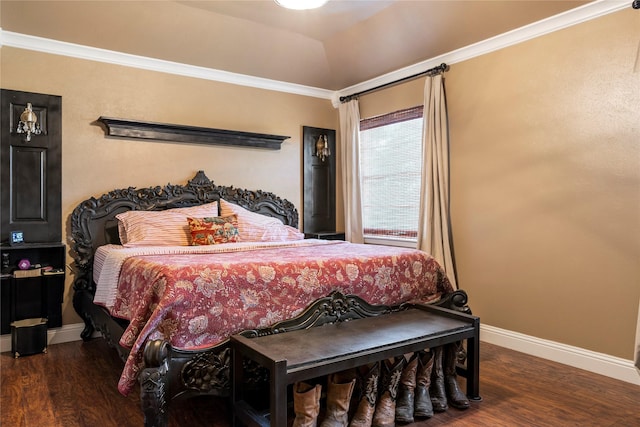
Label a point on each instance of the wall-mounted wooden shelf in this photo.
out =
(123, 128)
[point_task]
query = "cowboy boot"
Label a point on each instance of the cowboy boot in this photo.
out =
(455, 396)
(368, 394)
(406, 390)
(436, 389)
(306, 404)
(423, 407)
(385, 414)
(338, 399)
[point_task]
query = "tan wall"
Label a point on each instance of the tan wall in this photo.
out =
(545, 182)
(94, 164)
(547, 176)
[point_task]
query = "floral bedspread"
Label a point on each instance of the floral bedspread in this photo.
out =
(198, 300)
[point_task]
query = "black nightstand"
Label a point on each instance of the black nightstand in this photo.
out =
(325, 235)
(32, 296)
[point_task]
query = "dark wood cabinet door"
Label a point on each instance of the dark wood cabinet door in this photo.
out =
(319, 182)
(31, 170)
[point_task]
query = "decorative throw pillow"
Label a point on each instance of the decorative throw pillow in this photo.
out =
(255, 227)
(214, 230)
(161, 228)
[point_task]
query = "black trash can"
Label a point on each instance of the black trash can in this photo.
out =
(28, 336)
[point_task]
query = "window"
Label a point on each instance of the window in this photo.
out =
(390, 163)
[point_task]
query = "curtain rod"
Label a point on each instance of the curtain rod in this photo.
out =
(430, 72)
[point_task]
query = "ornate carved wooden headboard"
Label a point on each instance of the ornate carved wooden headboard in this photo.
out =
(93, 222)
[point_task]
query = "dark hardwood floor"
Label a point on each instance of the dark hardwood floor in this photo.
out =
(74, 384)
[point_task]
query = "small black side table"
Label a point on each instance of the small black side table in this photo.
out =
(325, 235)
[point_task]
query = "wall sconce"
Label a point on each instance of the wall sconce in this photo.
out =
(29, 123)
(322, 148)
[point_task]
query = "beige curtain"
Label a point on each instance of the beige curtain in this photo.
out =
(434, 230)
(350, 162)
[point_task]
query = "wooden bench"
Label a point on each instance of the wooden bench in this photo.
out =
(303, 354)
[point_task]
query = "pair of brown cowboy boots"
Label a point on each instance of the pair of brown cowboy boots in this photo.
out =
(306, 403)
(378, 393)
(444, 382)
(413, 393)
(378, 387)
(427, 383)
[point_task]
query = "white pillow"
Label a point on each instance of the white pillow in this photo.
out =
(255, 227)
(161, 228)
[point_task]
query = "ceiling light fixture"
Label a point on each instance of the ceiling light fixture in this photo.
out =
(301, 4)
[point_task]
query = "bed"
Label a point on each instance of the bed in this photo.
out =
(168, 307)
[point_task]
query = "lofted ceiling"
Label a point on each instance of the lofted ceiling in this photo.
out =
(344, 43)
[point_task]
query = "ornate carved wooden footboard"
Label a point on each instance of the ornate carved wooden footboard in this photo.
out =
(172, 373)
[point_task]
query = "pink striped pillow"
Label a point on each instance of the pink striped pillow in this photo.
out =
(255, 227)
(161, 228)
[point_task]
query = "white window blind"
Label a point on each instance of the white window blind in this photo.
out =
(390, 162)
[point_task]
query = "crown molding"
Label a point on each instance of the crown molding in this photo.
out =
(540, 28)
(55, 47)
(563, 20)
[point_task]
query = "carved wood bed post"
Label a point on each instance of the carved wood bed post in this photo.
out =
(154, 384)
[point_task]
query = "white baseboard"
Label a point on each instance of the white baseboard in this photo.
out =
(599, 363)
